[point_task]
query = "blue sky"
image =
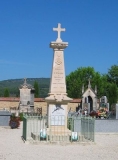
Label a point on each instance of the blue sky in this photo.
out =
(26, 32)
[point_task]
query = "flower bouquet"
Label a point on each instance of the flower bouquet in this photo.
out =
(14, 122)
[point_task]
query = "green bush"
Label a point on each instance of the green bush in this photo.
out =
(21, 116)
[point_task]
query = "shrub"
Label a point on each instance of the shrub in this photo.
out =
(21, 116)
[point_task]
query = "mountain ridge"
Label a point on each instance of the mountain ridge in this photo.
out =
(14, 84)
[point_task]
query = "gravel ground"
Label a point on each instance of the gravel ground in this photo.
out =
(12, 147)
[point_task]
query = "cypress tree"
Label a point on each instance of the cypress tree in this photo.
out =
(36, 87)
(6, 92)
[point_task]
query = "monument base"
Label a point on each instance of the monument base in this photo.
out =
(58, 133)
(58, 130)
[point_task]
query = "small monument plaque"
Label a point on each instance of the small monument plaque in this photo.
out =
(57, 115)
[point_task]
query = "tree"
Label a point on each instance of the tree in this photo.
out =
(112, 93)
(76, 79)
(112, 89)
(113, 74)
(6, 92)
(36, 87)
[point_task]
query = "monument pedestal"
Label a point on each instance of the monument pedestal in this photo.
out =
(57, 120)
(58, 133)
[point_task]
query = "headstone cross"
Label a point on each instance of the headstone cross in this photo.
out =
(25, 81)
(89, 83)
(59, 30)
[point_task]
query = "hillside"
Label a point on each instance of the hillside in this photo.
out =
(14, 84)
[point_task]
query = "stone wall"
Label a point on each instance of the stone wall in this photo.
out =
(8, 104)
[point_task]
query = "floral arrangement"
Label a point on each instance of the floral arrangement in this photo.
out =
(93, 114)
(14, 122)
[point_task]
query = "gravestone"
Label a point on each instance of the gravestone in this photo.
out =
(103, 99)
(104, 103)
(117, 111)
(57, 100)
(4, 118)
(26, 96)
(86, 107)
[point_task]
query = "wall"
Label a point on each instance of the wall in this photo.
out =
(106, 126)
(8, 104)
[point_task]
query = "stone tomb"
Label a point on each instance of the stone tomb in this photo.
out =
(57, 100)
(4, 118)
(86, 107)
(104, 103)
(26, 96)
(117, 111)
(89, 98)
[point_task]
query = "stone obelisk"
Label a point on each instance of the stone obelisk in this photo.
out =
(58, 99)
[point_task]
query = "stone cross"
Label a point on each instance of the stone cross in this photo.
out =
(59, 30)
(25, 81)
(89, 84)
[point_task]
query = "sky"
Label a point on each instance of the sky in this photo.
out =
(26, 30)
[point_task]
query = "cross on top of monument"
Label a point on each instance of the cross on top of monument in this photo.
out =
(59, 30)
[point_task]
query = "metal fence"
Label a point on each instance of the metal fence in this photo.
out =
(88, 128)
(33, 126)
(53, 129)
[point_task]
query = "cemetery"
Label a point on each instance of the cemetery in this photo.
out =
(59, 80)
(56, 126)
(59, 123)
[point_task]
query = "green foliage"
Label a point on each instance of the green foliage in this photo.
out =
(113, 74)
(112, 93)
(76, 79)
(36, 87)
(6, 92)
(21, 116)
(107, 84)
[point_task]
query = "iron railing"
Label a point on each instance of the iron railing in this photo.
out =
(51, 129)
(88, 128)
